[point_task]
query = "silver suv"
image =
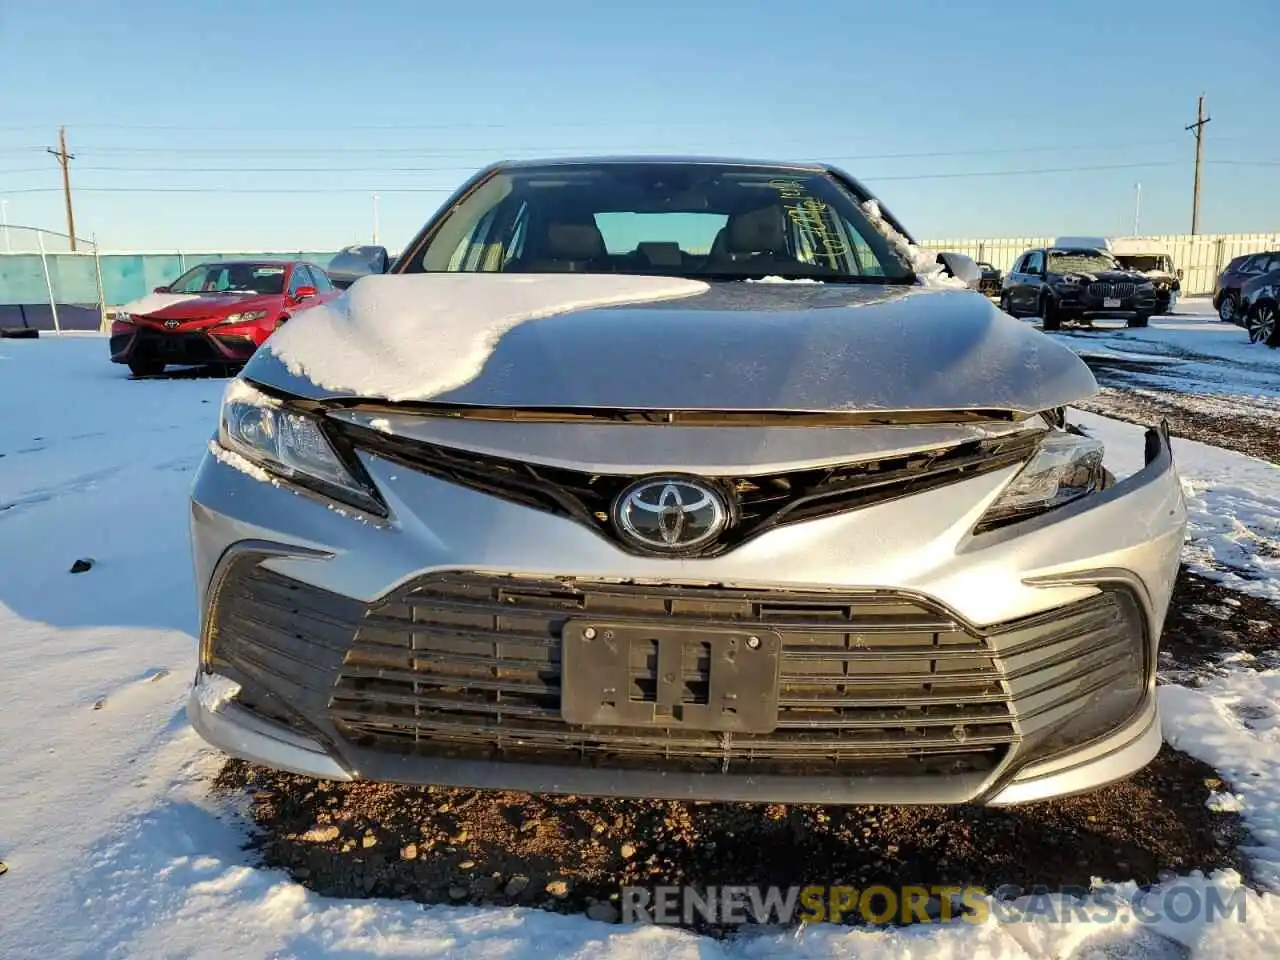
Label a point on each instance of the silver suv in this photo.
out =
(678, 478)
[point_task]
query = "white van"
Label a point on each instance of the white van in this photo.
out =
(1154, 260)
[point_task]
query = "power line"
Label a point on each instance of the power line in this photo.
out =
(501, 152)
(450, 188)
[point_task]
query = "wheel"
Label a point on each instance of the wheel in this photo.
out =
(1261, 323)
(1227, 308)
(1005, 305)
(145, 368)
(1050, 319)
(1140, 320)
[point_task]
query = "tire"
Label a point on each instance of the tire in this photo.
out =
(1227, 308)
(1005, 305)
(1141, 320)
(145, 368)
(1262, 323)
(1050, 319)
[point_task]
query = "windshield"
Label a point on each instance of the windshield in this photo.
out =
(1146, 263)
(694, 220)
(1080, 261)
(263, 278)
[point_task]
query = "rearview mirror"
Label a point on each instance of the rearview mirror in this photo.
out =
(962, 267)
(356, 262)
(304, 293)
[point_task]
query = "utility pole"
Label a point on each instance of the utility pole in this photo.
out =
(64, 159)
(375, 219)
(1198, 129)
(1137, 208)
(4, 219)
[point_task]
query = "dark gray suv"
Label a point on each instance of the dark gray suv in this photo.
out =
(1064, 284)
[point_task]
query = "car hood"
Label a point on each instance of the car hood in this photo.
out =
(190, 306)
(678, 345)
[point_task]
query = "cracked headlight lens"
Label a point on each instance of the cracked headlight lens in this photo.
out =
(289, 444)
(1066, 467)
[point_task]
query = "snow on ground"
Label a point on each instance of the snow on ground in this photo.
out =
(115, 848)
(1191, 351)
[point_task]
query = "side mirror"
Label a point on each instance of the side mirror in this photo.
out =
(161, 289)
(356, 262)
(304, 293)
(961, 267)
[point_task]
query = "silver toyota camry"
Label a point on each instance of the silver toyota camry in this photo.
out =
(681, 478)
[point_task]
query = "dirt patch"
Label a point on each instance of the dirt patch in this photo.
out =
(1207, 623)
(572, 855)
(1232, 426)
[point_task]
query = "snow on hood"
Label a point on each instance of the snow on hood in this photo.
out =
(925, 264)
(154, 302)
(459, 339)
(406, 337)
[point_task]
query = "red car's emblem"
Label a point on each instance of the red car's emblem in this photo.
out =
(170, 324)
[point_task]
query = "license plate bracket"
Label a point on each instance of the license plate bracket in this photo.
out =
(1111, 303)
(709, 680)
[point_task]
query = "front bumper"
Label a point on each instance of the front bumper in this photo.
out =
(1084, 304)
(319, 617)
(185, 347)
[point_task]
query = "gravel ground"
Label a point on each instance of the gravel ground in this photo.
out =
(572, 855)
(1228, 422)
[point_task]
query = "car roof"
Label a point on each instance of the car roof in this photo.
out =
(266, 262)
(681, 159)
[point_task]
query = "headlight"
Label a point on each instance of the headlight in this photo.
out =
(1146, 286)
(123, 316)
(1066, 467)
(1070, 280)
(289, 444)
(247, 317)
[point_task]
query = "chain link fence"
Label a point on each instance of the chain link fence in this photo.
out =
(45, 285)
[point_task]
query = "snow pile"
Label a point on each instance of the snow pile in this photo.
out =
(415, 336)
(1232, 722)
(925, 264)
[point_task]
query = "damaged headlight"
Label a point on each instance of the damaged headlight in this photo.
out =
(1066, 467)
(291, 445)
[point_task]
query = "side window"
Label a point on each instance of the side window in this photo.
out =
(299, 278)
(1035, 262)
(323, 283)
(1272, 264)
(1018, 264)
(1253, 264)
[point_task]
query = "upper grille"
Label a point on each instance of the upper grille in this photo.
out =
(759, 503)
(1106, 288)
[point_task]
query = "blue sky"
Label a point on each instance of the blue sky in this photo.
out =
(342, 99)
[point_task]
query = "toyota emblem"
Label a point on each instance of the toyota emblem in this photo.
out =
(669, 514)
(170, 324)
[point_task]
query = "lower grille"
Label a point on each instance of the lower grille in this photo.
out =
(175, 348)
(468, 665)
(1104, 288)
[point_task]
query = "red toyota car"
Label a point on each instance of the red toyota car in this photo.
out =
(216, 313)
